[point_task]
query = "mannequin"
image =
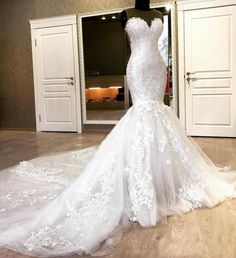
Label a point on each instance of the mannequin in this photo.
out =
(142, 10)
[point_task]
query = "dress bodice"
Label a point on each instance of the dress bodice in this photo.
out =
(146, 70)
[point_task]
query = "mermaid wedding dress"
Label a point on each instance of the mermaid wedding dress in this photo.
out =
(146, 169)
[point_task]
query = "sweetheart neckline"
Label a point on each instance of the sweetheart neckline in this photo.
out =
(138, 18)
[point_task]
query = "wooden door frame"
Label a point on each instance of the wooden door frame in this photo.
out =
(52, 22)
(182, 6)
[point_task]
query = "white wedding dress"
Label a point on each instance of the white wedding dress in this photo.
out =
(145, 169)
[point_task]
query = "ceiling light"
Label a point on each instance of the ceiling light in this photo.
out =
(113, 17)
(103, 18)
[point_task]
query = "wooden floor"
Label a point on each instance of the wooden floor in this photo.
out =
(200, 233)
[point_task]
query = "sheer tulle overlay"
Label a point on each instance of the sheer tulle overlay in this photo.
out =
(144, 170)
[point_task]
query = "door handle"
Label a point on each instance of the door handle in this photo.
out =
(188, 76)
(69, 78)
(188, 73)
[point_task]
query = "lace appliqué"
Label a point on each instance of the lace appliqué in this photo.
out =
(17, 199)
(157, 107)
(195, 182)
(80, 216)
(83, 155)
(48, 238)
(51, 175)
(138, 170)
(194, 194)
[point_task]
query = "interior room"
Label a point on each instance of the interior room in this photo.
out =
(117, 128)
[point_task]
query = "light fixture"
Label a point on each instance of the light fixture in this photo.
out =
(168, 7)
(94, 88)
(115, 87)
(113, 17)
(103, 18)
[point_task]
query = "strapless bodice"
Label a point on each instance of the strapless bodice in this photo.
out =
(146, 70)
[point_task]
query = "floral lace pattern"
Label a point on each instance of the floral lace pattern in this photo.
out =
(51, 175)
(17, 199)
(138, 170)
(48, 238)
(80, 213)
(195, 183)
(83, 155)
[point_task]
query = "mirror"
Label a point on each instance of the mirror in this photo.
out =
(105, 50)
(106, 93)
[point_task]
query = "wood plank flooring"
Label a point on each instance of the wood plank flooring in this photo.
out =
(200, 233)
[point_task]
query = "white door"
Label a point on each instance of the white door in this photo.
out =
(210, 71)
(56, 78)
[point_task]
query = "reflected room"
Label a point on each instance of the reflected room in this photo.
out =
(104, 61)
(106, 52)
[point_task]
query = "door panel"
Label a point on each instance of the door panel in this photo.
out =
(203, 106)
(210, 59)
(55, 61)
(210, 35)
(53, 114)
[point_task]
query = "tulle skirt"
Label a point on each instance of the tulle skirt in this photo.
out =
(82, 201)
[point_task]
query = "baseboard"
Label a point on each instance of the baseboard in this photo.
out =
(17, 129)
(97, 128)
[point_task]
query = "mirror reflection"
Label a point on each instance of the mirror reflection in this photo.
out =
(106, 53)
(104, 61)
